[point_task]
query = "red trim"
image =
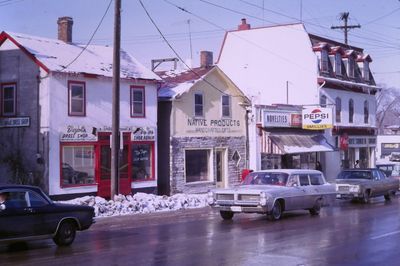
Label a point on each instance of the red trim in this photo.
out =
(132, 88)
(14, 84)
(72, 82)
(4, 36)
(153, 163)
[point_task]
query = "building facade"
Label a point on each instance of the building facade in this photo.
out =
(202, 130)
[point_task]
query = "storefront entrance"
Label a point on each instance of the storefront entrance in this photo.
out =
(221, 165)
(104, 168)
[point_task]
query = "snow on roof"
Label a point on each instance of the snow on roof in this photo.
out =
(57, 56)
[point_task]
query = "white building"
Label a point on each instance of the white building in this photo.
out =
(286, 65)
(72, 110)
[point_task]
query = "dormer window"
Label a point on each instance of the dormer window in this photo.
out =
(324, 61)
(338, 64)
(366, 70)
(350, 67)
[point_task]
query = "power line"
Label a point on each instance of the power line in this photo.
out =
(381, 17)
(91, 38)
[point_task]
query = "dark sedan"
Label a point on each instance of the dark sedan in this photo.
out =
(27, 213)
(363, 184)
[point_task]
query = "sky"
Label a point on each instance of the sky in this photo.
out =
(202, 25)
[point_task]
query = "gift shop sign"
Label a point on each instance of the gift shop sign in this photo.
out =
(78, 133)
(317, 118)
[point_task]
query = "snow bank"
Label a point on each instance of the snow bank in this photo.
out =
(140, 203)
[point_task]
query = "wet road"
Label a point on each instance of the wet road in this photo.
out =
(344, 234)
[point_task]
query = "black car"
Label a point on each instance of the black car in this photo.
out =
(27, 213)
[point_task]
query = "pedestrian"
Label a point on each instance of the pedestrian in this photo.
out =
(318, 166)
(357, 164)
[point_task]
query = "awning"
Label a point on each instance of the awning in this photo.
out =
(301, 143)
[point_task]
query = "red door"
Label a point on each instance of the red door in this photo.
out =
(104, 170)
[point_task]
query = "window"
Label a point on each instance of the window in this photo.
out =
(197, 165)
(338, 104)
(226, 105)
(322, 101)
(76, 98)
(366, 112)
(351, 67)
(351, 111)
(142, 161)
(316, 179)
(8, 99)
(366, 70)
(77, 167)
(304, 180)
(338, 64)
(198, 104)
(35, 200)
(137, 101)
(324, 61)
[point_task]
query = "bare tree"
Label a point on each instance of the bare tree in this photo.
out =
(388, 107)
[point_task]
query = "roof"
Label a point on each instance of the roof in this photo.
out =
(56, 56)
(297, 143)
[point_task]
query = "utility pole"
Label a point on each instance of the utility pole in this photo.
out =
(345, 16)
(190, 40)
(115, 141)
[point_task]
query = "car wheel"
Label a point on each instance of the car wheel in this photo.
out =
(317, 208)
(226, 215)
(366, 197)
(65, 234)
(276, 212)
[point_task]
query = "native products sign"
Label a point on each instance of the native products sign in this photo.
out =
(317, 118)
(281, 119)
(75, 133)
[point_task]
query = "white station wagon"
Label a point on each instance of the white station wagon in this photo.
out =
(274, 191)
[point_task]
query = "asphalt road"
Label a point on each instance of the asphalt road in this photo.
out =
(344, 234)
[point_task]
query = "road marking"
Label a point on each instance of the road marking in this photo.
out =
(385, 235)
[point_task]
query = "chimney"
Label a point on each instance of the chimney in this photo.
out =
(206, 59)
(244, 25)
(65, 29)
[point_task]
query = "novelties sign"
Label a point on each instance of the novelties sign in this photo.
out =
(317, 118)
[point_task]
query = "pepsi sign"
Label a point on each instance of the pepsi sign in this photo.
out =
(316, 118)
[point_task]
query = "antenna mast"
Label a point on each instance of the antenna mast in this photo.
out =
(345, 16)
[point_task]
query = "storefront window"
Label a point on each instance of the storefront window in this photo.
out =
(197, 165)
(77, 167)
(142, 162)
(351, 111)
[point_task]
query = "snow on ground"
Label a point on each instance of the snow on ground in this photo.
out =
(140, 203)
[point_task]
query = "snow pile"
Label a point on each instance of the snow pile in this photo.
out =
(140, 203)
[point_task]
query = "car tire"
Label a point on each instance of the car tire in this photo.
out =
(366, 197)
(65, 234)
(226, 215)
(276, 212)
(317, 208)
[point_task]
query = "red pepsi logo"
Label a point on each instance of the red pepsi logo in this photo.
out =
(316, 116)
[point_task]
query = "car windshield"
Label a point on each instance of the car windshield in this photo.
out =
(355, 175)
(259, 178)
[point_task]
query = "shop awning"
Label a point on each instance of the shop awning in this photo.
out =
(301, 143)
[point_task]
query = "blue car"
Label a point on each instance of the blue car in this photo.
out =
(27, 213)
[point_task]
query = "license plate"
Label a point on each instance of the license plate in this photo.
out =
(338, 196)
(236, 208)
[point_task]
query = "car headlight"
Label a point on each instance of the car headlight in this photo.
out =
(210, 198)
(263, 198)
(354, 189)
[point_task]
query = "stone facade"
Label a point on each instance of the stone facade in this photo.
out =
(21, 146)
(177, 165)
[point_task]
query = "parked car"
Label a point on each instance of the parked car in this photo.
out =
(272, 192)
(362, 184)
(28, 213)
(391, 169)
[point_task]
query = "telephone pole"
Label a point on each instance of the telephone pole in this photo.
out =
(345, 16)
(115, 140)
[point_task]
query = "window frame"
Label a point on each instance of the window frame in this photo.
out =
(202, 104)
(366, 112)
(351, 111)
(324, 61)
(338, 110)
(133, 89)
(338, 64)
(4, 85)
(83, 85)
(229, 106)
(152, 162)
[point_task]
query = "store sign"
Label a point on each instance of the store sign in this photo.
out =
(204, 126)
(281, 119)
(317, 118)
(144, 134)
(344, 142)
(15, 122)
(75, 133)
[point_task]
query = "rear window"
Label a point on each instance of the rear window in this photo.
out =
(355, 175)
(316, 179)
(256, 178)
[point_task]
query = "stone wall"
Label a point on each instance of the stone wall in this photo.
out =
(177, 165)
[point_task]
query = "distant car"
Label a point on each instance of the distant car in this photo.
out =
(272, 192)
(391, 169)
(362, 184)
(29, 214)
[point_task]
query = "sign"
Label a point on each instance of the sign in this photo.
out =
(281, 119)
(75, 133)
(344, 142)
(144, 134)
(212, 126)
(15, 122)
(317, 118)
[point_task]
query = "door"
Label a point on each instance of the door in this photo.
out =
(220, 167)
